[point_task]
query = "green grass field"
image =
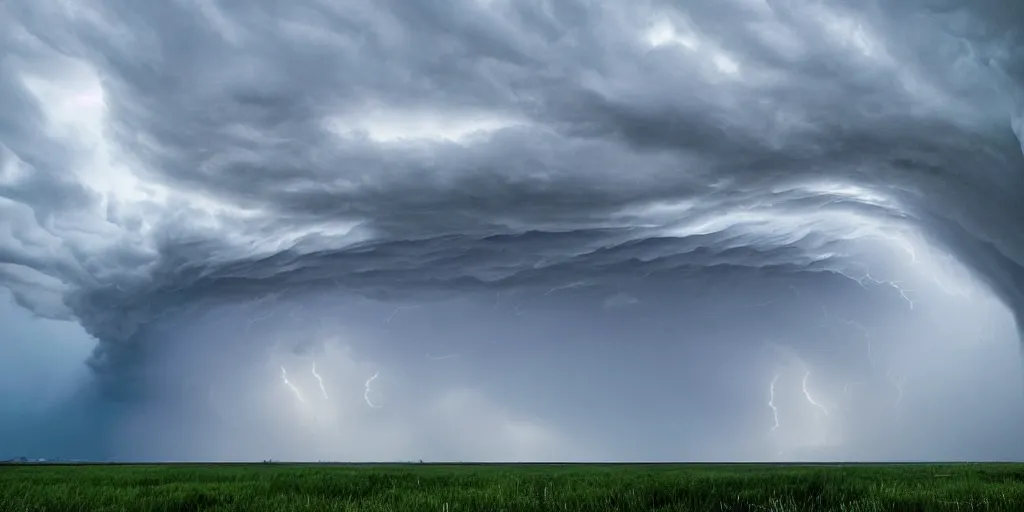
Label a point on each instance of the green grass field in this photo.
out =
(494, 488)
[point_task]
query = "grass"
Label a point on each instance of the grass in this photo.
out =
(494, 488)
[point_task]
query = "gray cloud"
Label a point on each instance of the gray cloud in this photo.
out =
(163, 161)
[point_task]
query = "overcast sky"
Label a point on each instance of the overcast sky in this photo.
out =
(511, 230)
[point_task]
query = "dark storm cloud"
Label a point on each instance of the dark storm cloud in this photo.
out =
(607, 157)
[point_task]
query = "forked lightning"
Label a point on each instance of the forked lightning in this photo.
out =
(295, 390)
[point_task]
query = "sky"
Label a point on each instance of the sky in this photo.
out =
(512, 230)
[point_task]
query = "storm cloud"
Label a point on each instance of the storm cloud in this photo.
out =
(522, 207)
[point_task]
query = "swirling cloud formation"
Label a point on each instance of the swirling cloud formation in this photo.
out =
(163, 161)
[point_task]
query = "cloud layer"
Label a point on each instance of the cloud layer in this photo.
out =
(161, 161)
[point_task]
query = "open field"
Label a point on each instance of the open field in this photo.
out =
(492, 488)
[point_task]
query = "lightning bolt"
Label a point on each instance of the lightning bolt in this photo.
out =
(807, 394)
(867, 339)
(258, 318)
(903, 292)
(570, 286)
(909, 248)
(902, 242)
(828, 319)
(295, 390)
(366, 391)
(771, 402)
(321, 381)
(876, 361)
(396, 311)
(898, 384)
(868, 277)
(516, 308)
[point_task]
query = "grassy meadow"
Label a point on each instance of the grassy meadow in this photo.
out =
(494, 488)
